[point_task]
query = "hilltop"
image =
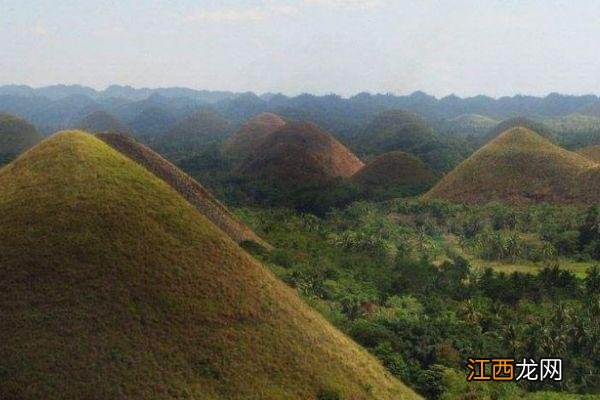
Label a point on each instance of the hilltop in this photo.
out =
(113, 286)
(16, 136)
(395, 170)
(467, 125)
(518, 167)
(301, 153)
(247, 139)
(153, 121)
(591, 152)
(102, 122)
(522, 122)
(185, 185)
(401, 130)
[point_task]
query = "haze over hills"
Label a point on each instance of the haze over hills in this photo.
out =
(247, 139)
(113, 286)
(16, 136)
(301, 153)
(101, 122)
(518, 167)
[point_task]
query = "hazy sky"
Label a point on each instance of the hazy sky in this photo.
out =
(318, 46)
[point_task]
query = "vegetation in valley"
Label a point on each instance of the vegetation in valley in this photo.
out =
(399, 278)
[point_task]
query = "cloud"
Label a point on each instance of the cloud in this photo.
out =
(255, 14)
(363, 5)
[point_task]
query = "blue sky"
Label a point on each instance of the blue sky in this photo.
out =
(317, 46)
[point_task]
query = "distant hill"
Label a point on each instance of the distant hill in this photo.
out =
(187, 187)
(467, 125)
(395, 171)
(153, 121)
(591, 152)
(518, 167)
(401, 130)
(301, 153)
(114, 286)
(247, 139)
(16, 136)
(192, 134)
(575, 130)
(102, 122)
(522, 122)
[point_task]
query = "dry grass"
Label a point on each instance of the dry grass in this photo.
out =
(591, 152)
(301, 153)
(113, 286)
(519, 167)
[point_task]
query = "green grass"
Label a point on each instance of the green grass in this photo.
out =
(113, 286)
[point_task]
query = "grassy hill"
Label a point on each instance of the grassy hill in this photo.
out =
(301, 153)
(518, 167)
(401, 130)
(591, 152)
(247, 139)
(153, 121)
(113, 286)
(185, 185)
(16, 136)
(467, 125)
(395, 171)
(100, 122)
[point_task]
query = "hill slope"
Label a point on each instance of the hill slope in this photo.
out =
(248, 138)
(113, 286)
(591, 152)
(401, 130)
(185, 185)
(395, 169)
(518, 167)
(100, 122)
(16, 136)
(301, 153)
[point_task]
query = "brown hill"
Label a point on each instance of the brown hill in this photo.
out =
(301, 153)
(591, 152)
(247, 139)
(518, 167)
(185, 185)
(395, 168)
(102, 122)
(112, 286)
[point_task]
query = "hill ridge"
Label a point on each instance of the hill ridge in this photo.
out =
(185, 185)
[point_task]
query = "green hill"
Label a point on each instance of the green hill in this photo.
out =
(394, 172)
(301, 154)
(518, 167)
(113, 286)
(102, 122)
(467, 125)
(16, 136)
(400, 130)
(247, 139)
